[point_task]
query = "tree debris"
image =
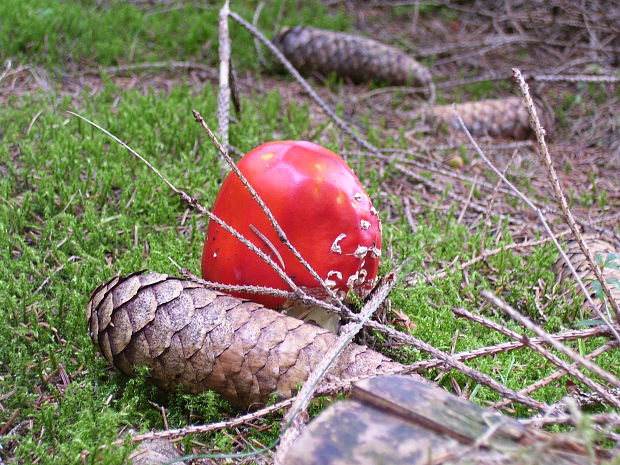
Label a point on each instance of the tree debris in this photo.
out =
(349, 56)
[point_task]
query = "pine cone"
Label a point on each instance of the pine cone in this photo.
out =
(202, 339)
(506, 117)
(598, 248)
(357, 58)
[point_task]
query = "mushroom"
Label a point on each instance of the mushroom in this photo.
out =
(320, 205)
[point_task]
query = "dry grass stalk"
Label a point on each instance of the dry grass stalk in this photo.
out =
(453, 362)
(543, 152)
(281, 234)
(233, 287)
(192, 202)
(201, 429)
(412, 279)
(558, 374)
(610, 419)
(509, 346)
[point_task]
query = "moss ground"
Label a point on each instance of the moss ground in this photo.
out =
(76, 209)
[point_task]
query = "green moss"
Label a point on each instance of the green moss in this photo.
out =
(95, 33)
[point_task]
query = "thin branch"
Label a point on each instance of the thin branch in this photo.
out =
(318, 373)
(574, 356)
(309, 90)
(192, 202)
(543, 152)
(557, 374)
(186, 65)
(507, 347)
(453, 362)
(201, 429)
(261, 290)
(606, 419)
(557, 361)
(413, 278)
(542, 219)
(574, 78)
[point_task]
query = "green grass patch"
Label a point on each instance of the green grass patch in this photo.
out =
(94, 33)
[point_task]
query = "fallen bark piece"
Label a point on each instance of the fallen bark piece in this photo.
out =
(506, 117)
(200, 339)
(399, 421)
(607, 257)
(349, 56)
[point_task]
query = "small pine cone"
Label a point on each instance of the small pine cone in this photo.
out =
(602, 252)
(354, 57)
(200, 339)
(506, 117)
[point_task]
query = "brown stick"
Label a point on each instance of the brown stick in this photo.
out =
(483, 256)
(192, 202)
(507, 347)
(223, 97)
(537, 347)
(542, 219)
(558, 374)
(201, 429)
(293, 429)
(543, 152)
(263, 206)
(499, 303)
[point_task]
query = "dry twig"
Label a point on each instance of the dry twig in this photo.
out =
(499, 303)
(309, 90)
(293, 430)
(537, 347)
(192, 202)
(543, 152)
(412, 279)
(542, 218)
(281, 234)
(201, 429)
(558, 374)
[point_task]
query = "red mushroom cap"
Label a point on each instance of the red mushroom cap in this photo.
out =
(320, 205)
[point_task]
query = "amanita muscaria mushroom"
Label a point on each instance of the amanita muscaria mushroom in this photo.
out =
(320, 205)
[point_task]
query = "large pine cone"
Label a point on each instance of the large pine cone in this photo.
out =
(357, 58)
(506, 117)
(202, 339)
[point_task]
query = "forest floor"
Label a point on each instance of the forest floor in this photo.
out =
(76, 209)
